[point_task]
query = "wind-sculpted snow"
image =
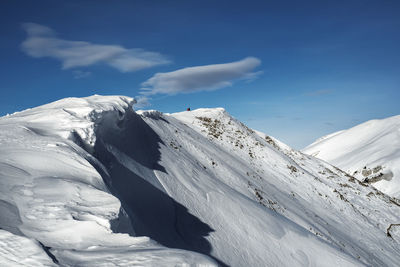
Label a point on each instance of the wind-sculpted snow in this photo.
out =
(369, 151)
(53, 190)
(92, 182)
(16, 250)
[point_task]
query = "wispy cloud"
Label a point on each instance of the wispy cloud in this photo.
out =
(319, 92)
(79, 74)
(42, 42)
(201, 78)
(141, 102)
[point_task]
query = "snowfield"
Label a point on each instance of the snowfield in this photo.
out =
(369, 151)
(91, 182)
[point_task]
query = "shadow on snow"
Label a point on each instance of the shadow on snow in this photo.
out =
(130, 150)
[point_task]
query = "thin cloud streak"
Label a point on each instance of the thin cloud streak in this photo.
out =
(42, 42)
(319, 92)
(79, 74)
(201, 78)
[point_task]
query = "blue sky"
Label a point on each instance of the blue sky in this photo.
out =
(296, 70)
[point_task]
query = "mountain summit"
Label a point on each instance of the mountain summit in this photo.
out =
(89, 181)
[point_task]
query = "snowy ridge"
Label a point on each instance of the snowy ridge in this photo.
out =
(78, 176)
(300, 188)
(53, 191)
(369, 151)
(71, 116)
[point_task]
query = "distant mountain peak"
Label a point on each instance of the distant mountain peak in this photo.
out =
(370, 151)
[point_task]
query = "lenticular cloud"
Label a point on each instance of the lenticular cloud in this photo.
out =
(43, 42)
(201, 78)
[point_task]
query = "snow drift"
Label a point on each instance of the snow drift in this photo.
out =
(91, 182)
(54, 192)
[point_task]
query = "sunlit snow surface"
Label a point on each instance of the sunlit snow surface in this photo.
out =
(52, 191)
(369, 151)
(196, 187)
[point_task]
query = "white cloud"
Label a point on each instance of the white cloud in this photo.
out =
(79, 74)
(141, 102)
(201, 78)
(43, 42)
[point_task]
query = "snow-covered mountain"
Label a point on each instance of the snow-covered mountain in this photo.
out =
(369, 151)
(91, 182)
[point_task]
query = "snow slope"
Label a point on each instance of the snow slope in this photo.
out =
(53, 198)
(369, 151)
(91, 182)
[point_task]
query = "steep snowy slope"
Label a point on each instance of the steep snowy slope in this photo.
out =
(369, 151)
(53, 198)
(77, 173)
(319, 198)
